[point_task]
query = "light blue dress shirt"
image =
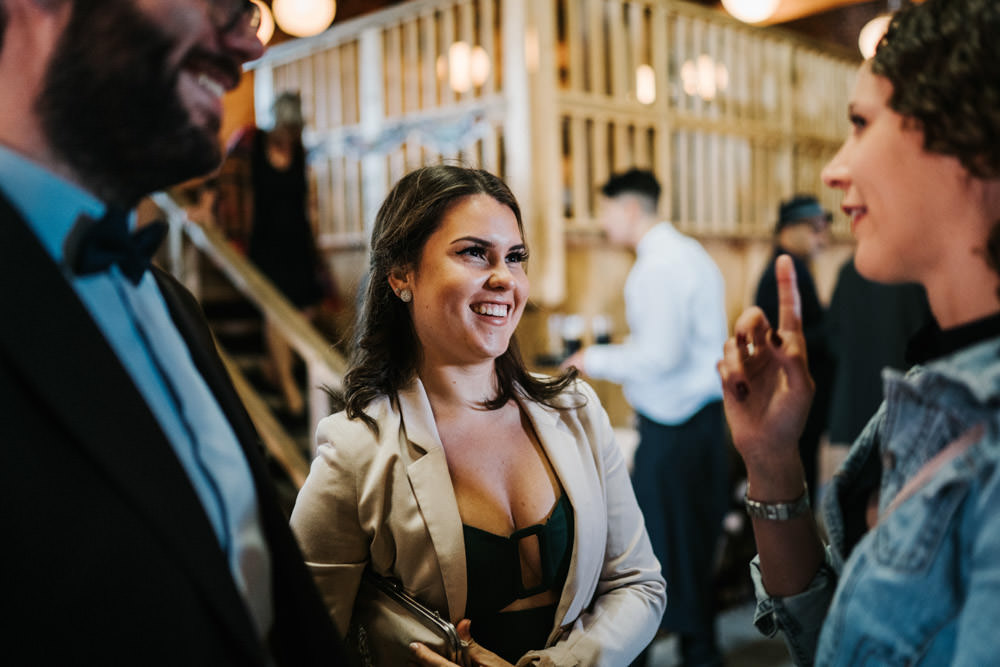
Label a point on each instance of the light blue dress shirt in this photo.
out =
(135, 321)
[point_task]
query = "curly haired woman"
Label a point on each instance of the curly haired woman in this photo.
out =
(911, 573)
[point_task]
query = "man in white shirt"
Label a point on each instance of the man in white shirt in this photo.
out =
(674, 306)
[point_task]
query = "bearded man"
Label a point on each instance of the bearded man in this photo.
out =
(140, 524)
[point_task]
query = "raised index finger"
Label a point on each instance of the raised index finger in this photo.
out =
(789, 302)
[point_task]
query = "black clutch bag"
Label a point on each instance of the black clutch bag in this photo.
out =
(386, 619)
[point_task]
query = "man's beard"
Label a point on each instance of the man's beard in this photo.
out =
(111, 109)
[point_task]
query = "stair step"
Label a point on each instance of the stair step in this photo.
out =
(235, 328)
(230, 309)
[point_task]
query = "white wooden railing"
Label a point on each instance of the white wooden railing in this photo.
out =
(732, 118)
(325, 367)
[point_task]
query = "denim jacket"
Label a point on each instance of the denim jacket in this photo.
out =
(923, 586)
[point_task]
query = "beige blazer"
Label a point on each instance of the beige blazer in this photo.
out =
(389, 500)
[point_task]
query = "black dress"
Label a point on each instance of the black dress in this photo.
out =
(869, 326)
(495, 580)
(281, 240)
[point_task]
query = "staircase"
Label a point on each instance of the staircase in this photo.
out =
(236, 299)
(239, 330)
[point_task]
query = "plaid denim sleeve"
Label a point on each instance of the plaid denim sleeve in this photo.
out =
(798, 617)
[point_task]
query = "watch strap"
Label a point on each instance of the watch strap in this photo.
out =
(778, 511)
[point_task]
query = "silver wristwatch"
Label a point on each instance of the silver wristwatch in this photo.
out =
(778, 511)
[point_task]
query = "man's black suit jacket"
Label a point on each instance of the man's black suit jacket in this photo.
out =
(108, 557)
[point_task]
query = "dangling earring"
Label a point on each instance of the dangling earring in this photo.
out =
(405, 295)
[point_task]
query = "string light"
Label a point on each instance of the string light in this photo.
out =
(465, 67)
(304, 18)
(266, 28)
(751, 11)
(874, 30)
(870, 35)
(645, 84)
(704, 77)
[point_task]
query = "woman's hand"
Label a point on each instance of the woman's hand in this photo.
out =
(767, 391)
(478, 656)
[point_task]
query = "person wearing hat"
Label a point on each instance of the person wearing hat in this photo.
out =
(801, 232)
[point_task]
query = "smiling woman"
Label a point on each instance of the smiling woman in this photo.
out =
(454, 470)
(388, 348)
(470, 286)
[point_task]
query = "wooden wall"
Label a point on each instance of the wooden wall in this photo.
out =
(740, 118)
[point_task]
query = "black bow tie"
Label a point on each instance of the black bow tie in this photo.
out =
(94, 245)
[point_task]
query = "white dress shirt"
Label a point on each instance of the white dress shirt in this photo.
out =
(675, 310)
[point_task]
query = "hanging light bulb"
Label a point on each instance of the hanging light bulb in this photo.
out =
(751, 11)
(870, 35)
(873, 31)
(479, 66)
(304, 18)
(266, 28)
(704, 77)
(459, 75)
(645, 84)
(464, 66)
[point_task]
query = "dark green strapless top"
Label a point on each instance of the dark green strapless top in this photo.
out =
(493, 565)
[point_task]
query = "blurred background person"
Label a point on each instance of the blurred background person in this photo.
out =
(674, 306)
(869, 325)
(491, 494)
(263, 206)
(802, 232)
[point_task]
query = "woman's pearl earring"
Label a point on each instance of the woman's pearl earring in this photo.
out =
(405, 295)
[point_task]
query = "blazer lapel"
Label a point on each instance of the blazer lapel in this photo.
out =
(65, 360)
(565, 451)
(431, 484)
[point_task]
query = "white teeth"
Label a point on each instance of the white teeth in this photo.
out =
(493, 309)
(211, 84)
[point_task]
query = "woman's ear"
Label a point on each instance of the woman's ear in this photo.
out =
(399, 279)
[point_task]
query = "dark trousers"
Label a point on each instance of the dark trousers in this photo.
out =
(680, 478)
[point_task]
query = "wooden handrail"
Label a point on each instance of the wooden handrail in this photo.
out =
(325, 365)
(281, 446)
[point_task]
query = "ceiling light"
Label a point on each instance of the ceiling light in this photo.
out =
(870, 35)
(266, 28)
(304, 18)
(751, 11)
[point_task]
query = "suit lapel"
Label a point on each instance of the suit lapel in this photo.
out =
(186, 314)
(65, 360)
(431, 484)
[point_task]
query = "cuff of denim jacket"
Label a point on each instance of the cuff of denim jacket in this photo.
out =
(798, 617)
